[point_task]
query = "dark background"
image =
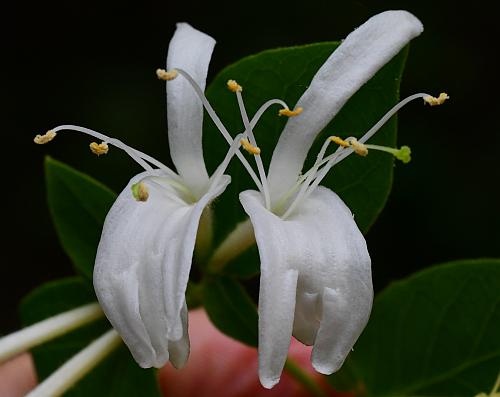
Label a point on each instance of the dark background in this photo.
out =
(92, 64)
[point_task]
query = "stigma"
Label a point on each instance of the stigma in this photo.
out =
(433, 101)
(140, 191)
(165, 75)
(45, 138)
(99, 148)
(249, 147)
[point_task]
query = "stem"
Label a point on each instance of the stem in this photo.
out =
(204, 235)
(77, 366)
(238, 241)
(48, 329)
(296, 372)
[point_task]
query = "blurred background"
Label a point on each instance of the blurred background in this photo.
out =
(92, 64)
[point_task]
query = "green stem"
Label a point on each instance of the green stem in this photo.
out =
(304, 378)
(237, 242)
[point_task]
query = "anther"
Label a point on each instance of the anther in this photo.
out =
(249, 147)
(339, 141)
(140, 191)
(99, 148)
(165, 75)
(45, 138)
(290, 113)
(433, 101)
(234, 86)
(358, 147)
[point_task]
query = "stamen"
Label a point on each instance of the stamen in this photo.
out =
(254, 150)
(233, 149)
(99, 148)
(290, 113)
(433, 101)
(140, 191)
(234, 86)
(358, 147)
(339, 141)
(215, 118)
(45, 138)
(306, 180)
(249, 147)
(258, 114)
(164, 75)
(375, 128)
(135, 154)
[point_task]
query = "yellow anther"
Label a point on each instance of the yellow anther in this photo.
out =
(99, 148)
(140, 191)
(45, 138)
(290, 113)
(339, 141)
(249, 147)
(234, 86)
(358, 147)
(165, 75)
(433, 101)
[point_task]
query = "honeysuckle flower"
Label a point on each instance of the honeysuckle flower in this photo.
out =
(146, 249)
(315, 267)
(316, 277)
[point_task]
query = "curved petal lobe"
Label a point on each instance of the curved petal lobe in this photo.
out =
(190, 50)
(142, 269)
(315, 277)
(351, 65)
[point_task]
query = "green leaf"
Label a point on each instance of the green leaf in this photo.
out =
(433, 334)
(231, 309)
(78, 204)
(285, 73)
(118, 375)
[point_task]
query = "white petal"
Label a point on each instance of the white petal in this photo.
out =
(351, 65)
(333, 299)
(142, 269)
(190, 50)
(179, 350)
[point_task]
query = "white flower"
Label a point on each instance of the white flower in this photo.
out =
(146, 248)
(315, 268)
(316, 277)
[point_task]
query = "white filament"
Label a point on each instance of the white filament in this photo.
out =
(315, 175)
(219, 125)
(233, 149)
(258, 159)
(135, 154)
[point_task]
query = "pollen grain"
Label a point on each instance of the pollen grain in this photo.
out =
(165, 75)
(249, 147)
(45, 138)
(234, 86)
(433, 101)
(99, 148)
(290, 113)
(339, 141)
